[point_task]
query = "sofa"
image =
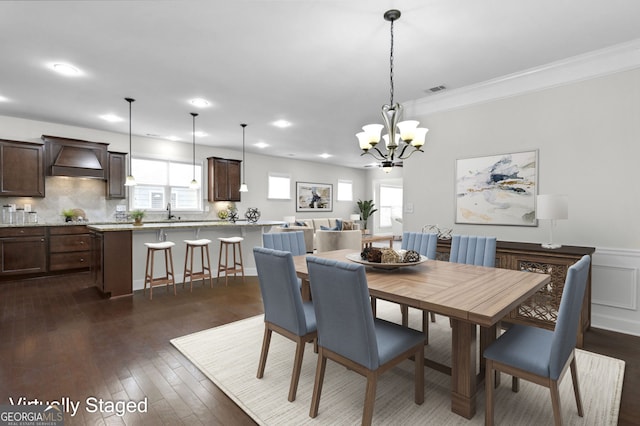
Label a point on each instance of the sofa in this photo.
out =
(338, 240)
(310, 227)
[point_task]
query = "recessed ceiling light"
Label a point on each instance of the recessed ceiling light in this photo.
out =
(281, 123)
(199, 102)
(65, 69)
(261, 145)
(3, 99)
(201, 134)
(111, 118)
(325, 155)
(173, 138)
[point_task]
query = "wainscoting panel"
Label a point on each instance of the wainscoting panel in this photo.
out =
(615, 292)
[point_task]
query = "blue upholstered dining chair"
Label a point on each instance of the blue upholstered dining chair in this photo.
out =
(349, 335)
(473, 250)
(285, 241)
(425, 244)
(539, 355)
(284, 311)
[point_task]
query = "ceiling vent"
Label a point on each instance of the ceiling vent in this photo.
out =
(75, 158)
(436, 89)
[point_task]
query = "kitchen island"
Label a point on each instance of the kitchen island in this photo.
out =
(119, 254)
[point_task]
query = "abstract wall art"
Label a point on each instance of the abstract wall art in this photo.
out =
(497, 189)
(312, 197)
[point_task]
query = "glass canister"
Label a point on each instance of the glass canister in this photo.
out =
(6, 210)
(32, 217)
(19, 216)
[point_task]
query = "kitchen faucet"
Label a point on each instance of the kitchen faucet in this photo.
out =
(170, 216)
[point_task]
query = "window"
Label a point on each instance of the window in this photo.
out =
(279, 186)
(390, 204)
(345, 190)
(159, 183)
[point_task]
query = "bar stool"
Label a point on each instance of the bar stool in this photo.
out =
(205, 272)
(234, 242)
(167, 279)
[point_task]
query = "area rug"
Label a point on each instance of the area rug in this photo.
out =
(229, 355)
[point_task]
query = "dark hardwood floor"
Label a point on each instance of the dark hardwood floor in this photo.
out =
(59, 338)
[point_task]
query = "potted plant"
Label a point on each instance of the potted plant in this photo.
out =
(68, 215)
(367, 209)
(137, 216)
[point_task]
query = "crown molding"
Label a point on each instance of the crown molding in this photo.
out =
(617, 58)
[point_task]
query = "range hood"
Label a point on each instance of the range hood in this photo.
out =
(75, 157)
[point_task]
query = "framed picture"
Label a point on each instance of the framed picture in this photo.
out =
(497, 189)
(312, 197)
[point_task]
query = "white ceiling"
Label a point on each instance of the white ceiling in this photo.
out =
(322, 65)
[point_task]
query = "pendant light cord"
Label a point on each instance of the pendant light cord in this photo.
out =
(130, 100)
(194, 115)
(243, 163)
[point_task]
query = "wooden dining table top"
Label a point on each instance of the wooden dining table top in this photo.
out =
(477, 294)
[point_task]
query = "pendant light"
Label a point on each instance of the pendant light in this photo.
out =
(243, 187)
(130, 180)
(194, 183)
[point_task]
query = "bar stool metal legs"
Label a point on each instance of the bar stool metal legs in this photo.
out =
(168, 278)
(205, 272)
(236, 267)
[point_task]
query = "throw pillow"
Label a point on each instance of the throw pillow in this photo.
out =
(286, 225)
(298, 223)
(339, 224)
(326, 228)
(347, 225)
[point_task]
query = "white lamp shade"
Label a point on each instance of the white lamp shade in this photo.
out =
(290, 219)
(419, 135)
(130, 181)
(407, 129)
(373, 132)
(243, 188)
(363, 140)
(354, 217)
(552, 206)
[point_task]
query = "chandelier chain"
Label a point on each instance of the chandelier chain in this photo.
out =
(391, 67)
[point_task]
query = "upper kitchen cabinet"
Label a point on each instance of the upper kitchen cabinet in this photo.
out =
(117, 165)
(21, 169)
(224, 179)
(74, 157)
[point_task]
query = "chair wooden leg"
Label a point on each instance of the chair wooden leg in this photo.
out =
(374, 305)
(555, 402)
(576, 387)
(370, 398)
(266, 340)
(515, 384)
(404, 309)
(317, 385)
(489, 385)
(208, 267)
(425, 326)
(186, 271)
(419, 373)
(433, 317)
(297, 367)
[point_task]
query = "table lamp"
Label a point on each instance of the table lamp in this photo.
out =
(289, 219)
(552, 207)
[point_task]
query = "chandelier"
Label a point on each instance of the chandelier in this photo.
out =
(403, 138)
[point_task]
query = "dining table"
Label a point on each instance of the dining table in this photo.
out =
(469, 295)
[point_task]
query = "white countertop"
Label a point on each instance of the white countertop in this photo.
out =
(150, 226)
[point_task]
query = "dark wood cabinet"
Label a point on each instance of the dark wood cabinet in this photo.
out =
(111, 262)
(224, 179)
(116, 175)
(21, 169)
(23, 250)
(541, 309)
(69, 248)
